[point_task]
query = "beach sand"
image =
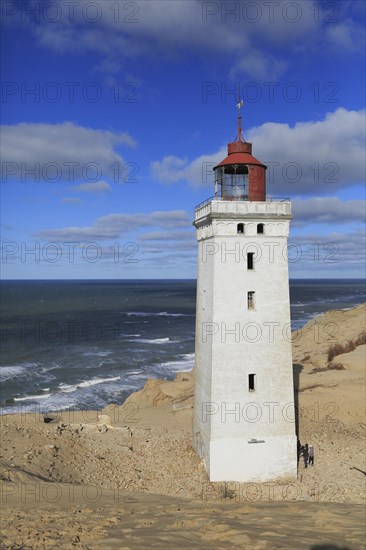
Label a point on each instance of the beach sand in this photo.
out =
(127, 477)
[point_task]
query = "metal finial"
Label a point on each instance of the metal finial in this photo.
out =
(240, 133)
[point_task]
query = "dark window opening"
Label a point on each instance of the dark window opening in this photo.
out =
(251, 299)
(251, 382)
(240, 228)
(260, 228)
(250, 260)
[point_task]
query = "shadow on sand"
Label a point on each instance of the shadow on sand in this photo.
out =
(296, 369)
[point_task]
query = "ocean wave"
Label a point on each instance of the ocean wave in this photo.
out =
(158, 314)
(83, 397)
(7, 373)
(97, 353)
(137, 376)
(185, 363)
(345, 298)
(95, 381)
(152, 341)
(69, 388)
(63, 407)
(166, 314)
(32, 397)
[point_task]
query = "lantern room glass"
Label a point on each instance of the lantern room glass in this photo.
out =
(232, 182)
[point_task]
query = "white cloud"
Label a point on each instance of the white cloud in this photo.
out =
(345, 37)
(341, 35)
(113, 226)
(198, 172)
(329, 153)
(259, 65)
(256, 36)
(310, 157)
(59, 152)
(170, 170)
(144, 27)
(177, 246)
(167, 236)
(334, 254)
(328, 210)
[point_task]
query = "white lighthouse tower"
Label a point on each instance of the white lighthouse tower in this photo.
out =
(244, 425)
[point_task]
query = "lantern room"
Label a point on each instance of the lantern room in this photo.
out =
(240, 176)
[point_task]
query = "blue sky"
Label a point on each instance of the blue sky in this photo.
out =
(114, 112)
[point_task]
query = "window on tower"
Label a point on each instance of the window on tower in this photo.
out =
(260, 228)
(240, 228)
(251, 382)
(251, 294)
(250, 260)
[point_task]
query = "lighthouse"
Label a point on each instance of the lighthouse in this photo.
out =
(244, 418)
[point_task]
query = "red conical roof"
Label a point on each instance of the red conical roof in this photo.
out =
(239, 152)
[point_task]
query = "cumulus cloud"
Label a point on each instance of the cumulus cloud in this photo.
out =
(180, 245)
(345, 36)
(328, 210)
(259, 65)
(166, 236)
(256, 36)
(334, 254)
(198, 172)
(113, 226)
(313, 156)
(59, 152)
(310, 157)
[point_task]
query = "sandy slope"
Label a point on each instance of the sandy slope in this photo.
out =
(119, 520)
(129, 478)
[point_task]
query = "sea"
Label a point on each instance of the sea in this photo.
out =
(83, 344)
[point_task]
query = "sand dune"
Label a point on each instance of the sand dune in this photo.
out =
(119, 521)
(127, 477)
